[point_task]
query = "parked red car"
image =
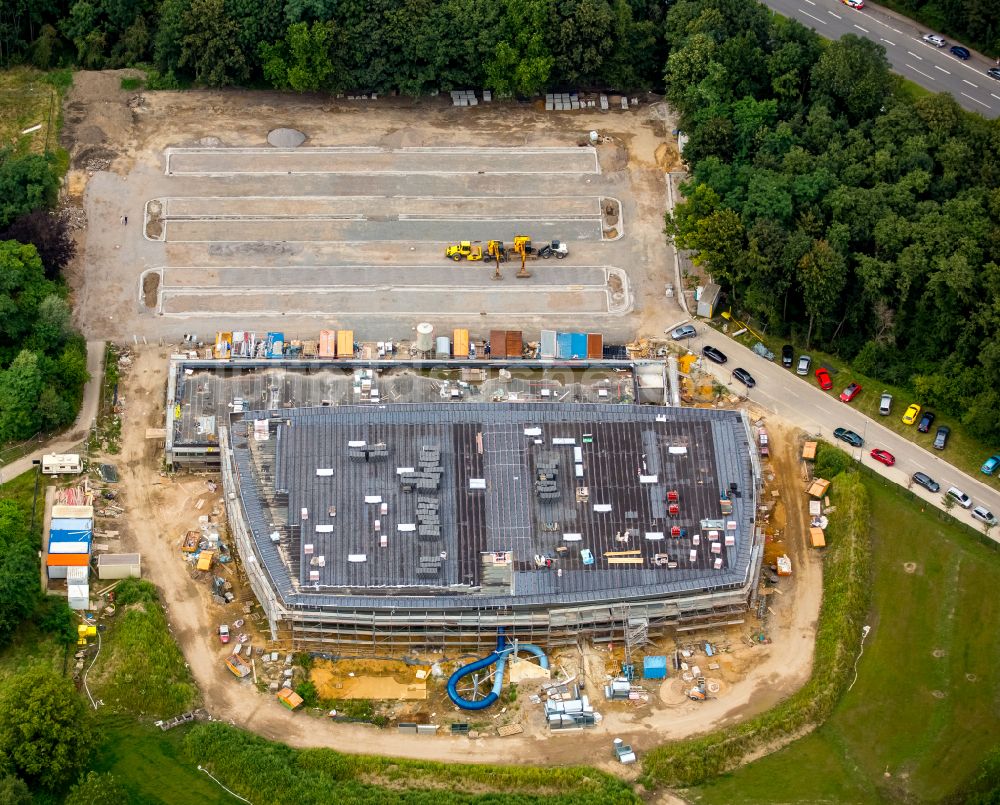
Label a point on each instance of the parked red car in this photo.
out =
(224, 633)
(850, 392)
(883, 456)
(823, 378)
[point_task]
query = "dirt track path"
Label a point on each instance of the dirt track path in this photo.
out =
(160, 509)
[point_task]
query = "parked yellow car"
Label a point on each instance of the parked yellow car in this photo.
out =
(911, 414)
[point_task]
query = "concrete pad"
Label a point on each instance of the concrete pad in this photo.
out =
(374, 160)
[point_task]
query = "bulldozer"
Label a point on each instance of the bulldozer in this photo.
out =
(464, 249)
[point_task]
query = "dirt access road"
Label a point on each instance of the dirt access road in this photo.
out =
(161, 508)
(78, 433)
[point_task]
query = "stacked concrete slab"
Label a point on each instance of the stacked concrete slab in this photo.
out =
(464, 97)
(561, 101)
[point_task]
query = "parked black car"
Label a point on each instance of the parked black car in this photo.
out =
(928, 483)
(713, 354)
(925, 422)
(744, 377)
(941, 437)
(787, 354)
(848, 436)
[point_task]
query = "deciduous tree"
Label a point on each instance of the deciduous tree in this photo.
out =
(45, 729)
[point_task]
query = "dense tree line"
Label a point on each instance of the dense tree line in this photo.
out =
(412, 46)
(43, 359)
(20, 597)
(831, 206)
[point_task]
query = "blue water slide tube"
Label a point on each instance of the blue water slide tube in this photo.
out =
(499, 656)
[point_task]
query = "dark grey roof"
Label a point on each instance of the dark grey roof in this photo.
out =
(488, 441)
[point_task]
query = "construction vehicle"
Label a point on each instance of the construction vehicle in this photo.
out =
(464, 249)
(522, 243)
(497, 250)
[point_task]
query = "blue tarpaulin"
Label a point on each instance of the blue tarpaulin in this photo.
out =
(275, 344)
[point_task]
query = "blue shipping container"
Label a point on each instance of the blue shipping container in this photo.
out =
(579, 346)
(654, 667)
(71, 524)
(564, 345)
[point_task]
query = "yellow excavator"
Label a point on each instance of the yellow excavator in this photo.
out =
(522, 246)
(464, 249)
(496, 250)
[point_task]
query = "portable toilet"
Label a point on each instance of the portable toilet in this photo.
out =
(654, 667)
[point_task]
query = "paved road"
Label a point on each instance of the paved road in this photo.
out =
(88, 412)
(933, 68)
(804, 404)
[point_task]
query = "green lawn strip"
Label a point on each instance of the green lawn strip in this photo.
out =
(846, 587)
(891, 721)
(152, 766)
(809, 771)
(270, 772)
(963, 451)
(21, 489)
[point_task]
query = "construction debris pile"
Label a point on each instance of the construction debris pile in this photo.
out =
(566, 707)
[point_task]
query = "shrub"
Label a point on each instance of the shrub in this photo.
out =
(275, 773)
(830, 461)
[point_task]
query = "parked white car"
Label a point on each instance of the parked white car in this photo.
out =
(959, 497)
(934, 39)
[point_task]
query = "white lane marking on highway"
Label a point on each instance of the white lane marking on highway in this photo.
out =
(941, 69)
(832, 14)
(810, 16)
(861, 29)
(996, 96)
(977, 100)
(914, 55)
(920, 72)
(887, 41)
(966, 80)
(810, 2)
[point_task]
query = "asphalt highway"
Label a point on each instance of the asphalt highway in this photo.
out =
(933, 68)
(800, 401)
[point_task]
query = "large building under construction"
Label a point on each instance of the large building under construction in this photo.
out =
(381, 527)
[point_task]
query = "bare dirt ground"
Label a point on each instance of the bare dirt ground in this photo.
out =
(117, 141)
(161, 508)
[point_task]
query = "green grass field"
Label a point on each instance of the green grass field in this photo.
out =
(963, 451)
(924, 708)
(152, 766)
(29, 98)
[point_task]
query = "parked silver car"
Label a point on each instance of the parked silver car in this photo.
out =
(984, 515)
(804, 363)
(682, 332)
(885, 404)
